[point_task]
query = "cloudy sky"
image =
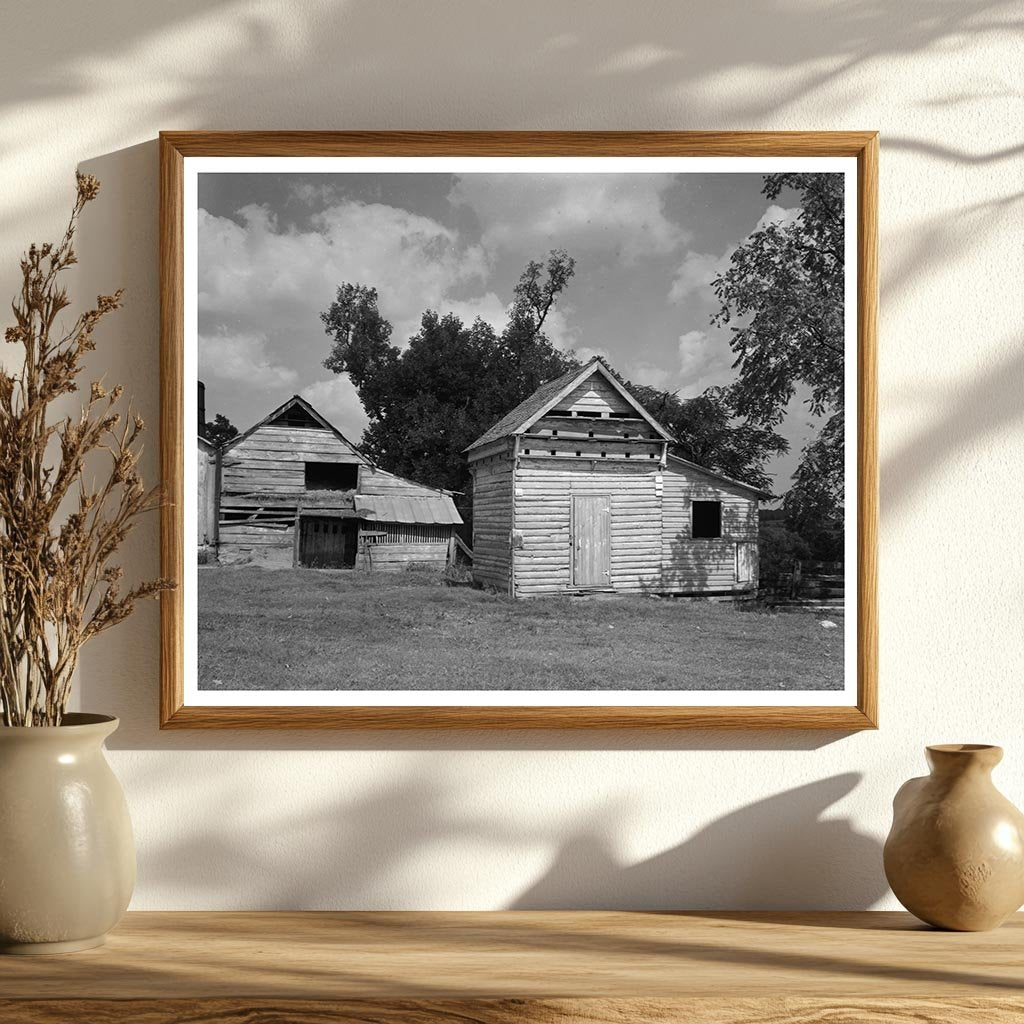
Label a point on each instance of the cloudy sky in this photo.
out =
(273, 249)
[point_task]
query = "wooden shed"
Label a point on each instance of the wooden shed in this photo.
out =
(575, 490)
(294, 491)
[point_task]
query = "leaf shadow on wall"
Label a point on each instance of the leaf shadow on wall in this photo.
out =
(388, 848)
(779, 852)
(393, 65)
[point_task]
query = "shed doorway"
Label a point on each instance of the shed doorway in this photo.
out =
(327, 542)
(591, 540)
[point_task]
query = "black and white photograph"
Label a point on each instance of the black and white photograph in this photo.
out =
(521, 431)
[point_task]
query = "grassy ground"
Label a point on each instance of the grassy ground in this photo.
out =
(320, 629)
(323, 629)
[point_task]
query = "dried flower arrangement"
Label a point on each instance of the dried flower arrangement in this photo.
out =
(58, 586)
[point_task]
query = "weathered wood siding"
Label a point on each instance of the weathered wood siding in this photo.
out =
(268, 469)
(704, 565)
(265, 545)
(272, 460)
(492, 521)
(543, 518)
(374, 481)
(398, 557)
(594, 397)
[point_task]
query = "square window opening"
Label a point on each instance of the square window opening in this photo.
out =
(331, 476)
(706, 518)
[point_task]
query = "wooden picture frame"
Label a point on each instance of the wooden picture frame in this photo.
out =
(178, 147)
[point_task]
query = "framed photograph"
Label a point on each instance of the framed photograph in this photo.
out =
(519, 430)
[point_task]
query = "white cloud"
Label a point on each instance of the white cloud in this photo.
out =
(699, 269)
(620, 213)
(243, 358)
(253, 269)
(338, 401)
(695, 275)
(704, 360)
(651, 375)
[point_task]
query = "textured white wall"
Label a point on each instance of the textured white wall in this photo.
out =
(340, 820)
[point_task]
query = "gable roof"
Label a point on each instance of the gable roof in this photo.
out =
(548, 395)
(715, 475)
(300, 402)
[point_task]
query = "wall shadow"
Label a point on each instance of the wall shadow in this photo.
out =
(978, 408)
(780, 852)
(777, 853)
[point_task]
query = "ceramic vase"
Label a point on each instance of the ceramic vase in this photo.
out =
(67, 859)
(955, 854)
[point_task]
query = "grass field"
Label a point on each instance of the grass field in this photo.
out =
(317, 629)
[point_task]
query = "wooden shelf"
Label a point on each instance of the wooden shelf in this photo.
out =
(500, 968)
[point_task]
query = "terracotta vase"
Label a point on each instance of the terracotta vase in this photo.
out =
(955, 854)
(67, 859)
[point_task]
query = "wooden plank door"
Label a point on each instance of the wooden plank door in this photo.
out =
(745, 561)
(322, 542)
(591, 540)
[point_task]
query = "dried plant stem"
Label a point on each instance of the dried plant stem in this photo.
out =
(58, 585)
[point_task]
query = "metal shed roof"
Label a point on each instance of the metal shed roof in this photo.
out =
(427, 509)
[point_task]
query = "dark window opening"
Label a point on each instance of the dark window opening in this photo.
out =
(706, 518)
(622, 415)
(331, 476)
(553, 452)
(296, 416)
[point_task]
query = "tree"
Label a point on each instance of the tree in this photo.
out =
(815, 501)
(710, 435)
(430, 401)
(219, 430)
(785, 286)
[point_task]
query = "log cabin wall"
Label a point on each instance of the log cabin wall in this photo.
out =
(492, 521)
(707, 565)
(545, 509)
(581, 495)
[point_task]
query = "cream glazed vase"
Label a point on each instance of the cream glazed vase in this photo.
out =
(955, 855)
(67, 859)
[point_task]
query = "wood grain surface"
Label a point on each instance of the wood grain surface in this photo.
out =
(514, 1011)
(175, 147)
(524, 966)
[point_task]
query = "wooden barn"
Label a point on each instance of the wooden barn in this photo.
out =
(294, 491)
(575, 490)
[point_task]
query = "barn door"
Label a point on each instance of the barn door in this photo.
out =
(746, 553)
(591, 540)
(322, 542)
